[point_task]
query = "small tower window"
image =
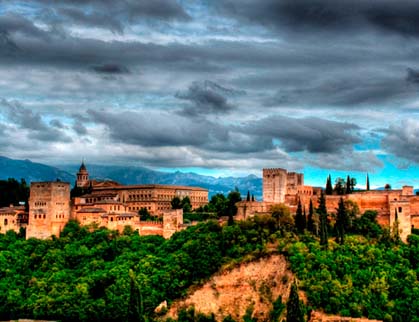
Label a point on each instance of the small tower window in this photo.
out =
(400, 209)
(5, 221)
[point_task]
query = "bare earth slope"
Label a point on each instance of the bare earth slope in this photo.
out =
(256, 284)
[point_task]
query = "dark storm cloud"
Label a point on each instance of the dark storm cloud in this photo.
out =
(309, 134)
(207, 97)
(402, 140)
(26, 119)
(412, 76)
(110, 69)
(328, 15)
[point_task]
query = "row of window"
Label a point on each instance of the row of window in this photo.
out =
(40, 203)
(39, 216)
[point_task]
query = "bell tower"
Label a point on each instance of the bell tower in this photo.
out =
(82, 177)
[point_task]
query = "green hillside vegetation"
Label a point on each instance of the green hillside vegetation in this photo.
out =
(100, 275)
(85, 276)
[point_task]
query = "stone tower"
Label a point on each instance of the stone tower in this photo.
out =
(82, 177)
(49, 208)
(274, 185)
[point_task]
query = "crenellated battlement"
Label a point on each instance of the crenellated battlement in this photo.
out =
(273, 171)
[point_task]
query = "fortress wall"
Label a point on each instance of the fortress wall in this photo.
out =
(49, 208)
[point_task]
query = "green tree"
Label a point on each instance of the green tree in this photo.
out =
(341, 222)
(232, 198)
(310, 219)
(322, 211)
(253, 197)
(300, 222)
(339, 188)
(176, 203)
(395, 232)
(329, 188)
(281, 213)
(368, 182)
(186, 204)
(248, 196)
(348, 189)
(295, 312)
(135, 304)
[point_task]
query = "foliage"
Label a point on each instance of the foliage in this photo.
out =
(342, 222)
(12, 192)
(322, 211)
(363, 277)
(281, 213)
(176, 203)
(295, 312)
(102, 275)
(329, 188)
(300, 219)
(278, 308)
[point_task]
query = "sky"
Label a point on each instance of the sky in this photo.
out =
(215, 87)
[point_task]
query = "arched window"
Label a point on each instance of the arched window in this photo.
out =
(5, 221)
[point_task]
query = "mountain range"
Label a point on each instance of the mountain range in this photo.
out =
(32, 171)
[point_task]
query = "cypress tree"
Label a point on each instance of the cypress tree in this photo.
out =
(299, 220)
(329, 187)
(135, 304)
(368, 182)
(348, 185)
(253, 197)
(295, 311)
(341, 222)
(304, 218)
(310, 219)
(248, 196)
(322, 211)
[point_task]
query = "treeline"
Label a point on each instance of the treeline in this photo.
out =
(366, 277)
(12, 192)
(85, 276)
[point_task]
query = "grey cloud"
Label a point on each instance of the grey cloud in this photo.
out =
(79, 128)
(160, 129)
(309, 134)
(28, 120)
(402, 140)
(110, 69)
(328, 15)
(206, 98)
(412, 76)
(112, 15)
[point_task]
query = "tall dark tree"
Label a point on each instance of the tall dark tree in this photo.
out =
(329, 187)
(368, 182)
(310, 219)
(339, 186)
(248, 196)
(295, 312)
(299, 219)
(341, 222)
(322, 211)
(176, 203)
(135, 304)
(253, 197)
(186, 204)
(348, 189)
(395, 233)
(232, 198)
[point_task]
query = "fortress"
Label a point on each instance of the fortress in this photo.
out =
(115, 206)
(102, 204)
(280, 186)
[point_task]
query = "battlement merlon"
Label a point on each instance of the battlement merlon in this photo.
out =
(270, 171)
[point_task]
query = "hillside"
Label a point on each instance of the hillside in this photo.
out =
(251, 286)
(32, 171)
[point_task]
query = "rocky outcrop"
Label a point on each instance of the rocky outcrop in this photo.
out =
(250, 286)
(320, 317)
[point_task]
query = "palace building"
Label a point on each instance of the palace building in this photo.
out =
(105, 203)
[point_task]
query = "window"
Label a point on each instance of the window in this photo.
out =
(5, 221)
(400, 209)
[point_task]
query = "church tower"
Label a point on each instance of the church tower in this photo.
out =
(82, 177)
